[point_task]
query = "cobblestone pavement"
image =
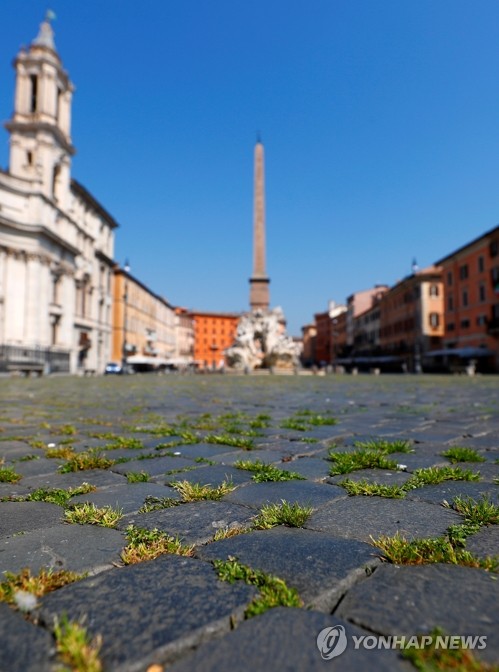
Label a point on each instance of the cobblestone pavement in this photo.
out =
(148, 438)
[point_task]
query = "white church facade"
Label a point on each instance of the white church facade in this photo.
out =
(56, 240)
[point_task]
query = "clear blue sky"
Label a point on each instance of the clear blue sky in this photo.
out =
(380, 121)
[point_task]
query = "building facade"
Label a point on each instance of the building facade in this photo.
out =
(357, 304)
(471, 281)
(213, 334)
(339, 335)
(56, 240)
(184, 338)
(309, 338)
(322, 338)
(328, 338)
(412, 318)
(144, 325)
(366, 338)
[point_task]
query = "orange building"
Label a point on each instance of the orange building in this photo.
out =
(213, 334)
(412, 317)
(323, 327)
(471, 279)
(338, 335)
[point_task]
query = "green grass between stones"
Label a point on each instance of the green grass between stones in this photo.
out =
(371, 455)
(57, 496)
(420, 478)
(124, 442)
(14, 585)
(436, 475)
(137, 477)
(76, 648)
(194, 492)
(229, 532)
(345, 463)
(146, 544)
(385, 447)
(90, 459)
(301, 421)
(449, 548)
(273, 592)
(8, 475)
(292, 515)
(60, 453)
(481, 512)
(368, 455)
(267, 472)
(477, 513)
(89, 514)
(373, 489)
(152, 503)
(437, 656)
(400, 551)
(458, 454)
(229, 440)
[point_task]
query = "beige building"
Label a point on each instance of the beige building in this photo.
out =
(144, 325)
(56, 240)
(412, 317)
(358, 303)
(184, 337)
(309, 337)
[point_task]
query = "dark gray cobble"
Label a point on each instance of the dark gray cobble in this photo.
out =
(173, 611)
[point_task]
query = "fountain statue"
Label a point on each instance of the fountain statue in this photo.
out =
(261, 342)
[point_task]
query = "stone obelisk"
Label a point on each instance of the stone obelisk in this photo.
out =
(259, 282)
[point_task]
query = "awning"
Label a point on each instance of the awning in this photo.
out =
(144, 359)
(156, 362)
(381, 359)
(462, 353)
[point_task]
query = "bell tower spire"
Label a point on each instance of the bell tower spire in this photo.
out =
(40, 127)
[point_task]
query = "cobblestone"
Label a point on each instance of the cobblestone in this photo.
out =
(174, 611)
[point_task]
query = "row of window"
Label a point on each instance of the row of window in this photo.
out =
(408, 325)
(217, 331)
(403, 326)
(411, 296)
(464, 269)
(207, 342)
(481, 320)
(465, 298)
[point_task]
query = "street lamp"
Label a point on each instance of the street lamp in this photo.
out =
(126, 268)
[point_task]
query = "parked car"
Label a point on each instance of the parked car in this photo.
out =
(113, 367)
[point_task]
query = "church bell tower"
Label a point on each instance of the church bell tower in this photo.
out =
(40, 127)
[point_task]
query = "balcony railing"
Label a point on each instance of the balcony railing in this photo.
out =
(38, 360)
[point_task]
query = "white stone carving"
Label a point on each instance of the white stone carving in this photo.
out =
(261, 342)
